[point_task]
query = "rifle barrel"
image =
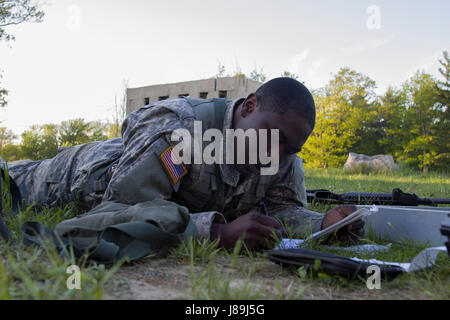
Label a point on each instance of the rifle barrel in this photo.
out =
(434, 201)
(397, 197)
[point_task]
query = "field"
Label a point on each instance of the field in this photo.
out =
(199, 270)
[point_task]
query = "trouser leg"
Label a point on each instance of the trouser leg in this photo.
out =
(30, 178)
(49, 181)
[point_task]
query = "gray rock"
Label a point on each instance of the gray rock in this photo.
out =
(380, 162)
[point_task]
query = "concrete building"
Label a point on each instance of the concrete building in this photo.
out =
(227, 87)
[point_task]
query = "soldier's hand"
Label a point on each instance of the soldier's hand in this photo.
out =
(256, 230)
(348, 234)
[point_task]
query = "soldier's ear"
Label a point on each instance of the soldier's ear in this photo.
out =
(250, 105)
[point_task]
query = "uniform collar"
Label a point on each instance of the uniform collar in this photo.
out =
(229, 174)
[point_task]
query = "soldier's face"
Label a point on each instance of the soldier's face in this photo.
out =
(293, 130)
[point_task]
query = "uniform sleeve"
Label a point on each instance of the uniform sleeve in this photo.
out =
(286, 200)
(139, 175)
(204, 220)
(142, 174)
(168, 216)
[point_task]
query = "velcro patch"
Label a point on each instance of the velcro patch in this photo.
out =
(173, 165)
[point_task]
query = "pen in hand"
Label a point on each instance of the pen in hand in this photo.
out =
(263, 208)
(277, 231)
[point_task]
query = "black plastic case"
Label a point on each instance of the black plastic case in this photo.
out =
(445, 231)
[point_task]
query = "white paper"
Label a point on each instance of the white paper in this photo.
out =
(363, 248)
(358, 214)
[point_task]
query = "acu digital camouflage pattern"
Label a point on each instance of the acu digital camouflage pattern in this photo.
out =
(128, 171)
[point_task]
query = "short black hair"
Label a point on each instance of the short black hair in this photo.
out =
(283, 94)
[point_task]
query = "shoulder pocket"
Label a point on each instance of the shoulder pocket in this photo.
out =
(198, 190)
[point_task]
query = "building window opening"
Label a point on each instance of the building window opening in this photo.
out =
(203, 95)
(222, 93)
(182, 95)
(163, 98)
(146, 101)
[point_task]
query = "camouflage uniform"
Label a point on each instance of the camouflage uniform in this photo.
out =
(129, 171)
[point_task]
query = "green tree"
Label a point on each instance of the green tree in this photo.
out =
(31, 143)
(345, 113)
(78, 131)
(326, 145)
(366, 117)
(73, 132)
(40, 142)
(443, 128)
(394, 130)
(444, 70)
(6, 137)
(98, 131)
(424, 115)
(11, 152)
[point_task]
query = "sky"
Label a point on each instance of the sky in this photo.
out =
(74, 63)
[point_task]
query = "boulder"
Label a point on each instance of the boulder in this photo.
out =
(380, 162)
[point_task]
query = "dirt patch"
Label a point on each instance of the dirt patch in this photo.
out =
(168, 279)
(153, 279)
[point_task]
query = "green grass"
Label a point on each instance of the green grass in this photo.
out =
(200, 270)
(39, 272)
(215, 274)
(431, 184)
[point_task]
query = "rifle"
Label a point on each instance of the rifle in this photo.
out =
(396, 198)
(445, 231)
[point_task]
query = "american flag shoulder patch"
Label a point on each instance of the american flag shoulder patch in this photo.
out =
(173, 165)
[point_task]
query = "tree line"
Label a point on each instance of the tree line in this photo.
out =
(43, 141)
(410, 122)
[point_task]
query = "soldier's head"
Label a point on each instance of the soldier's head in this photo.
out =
(284, 104)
